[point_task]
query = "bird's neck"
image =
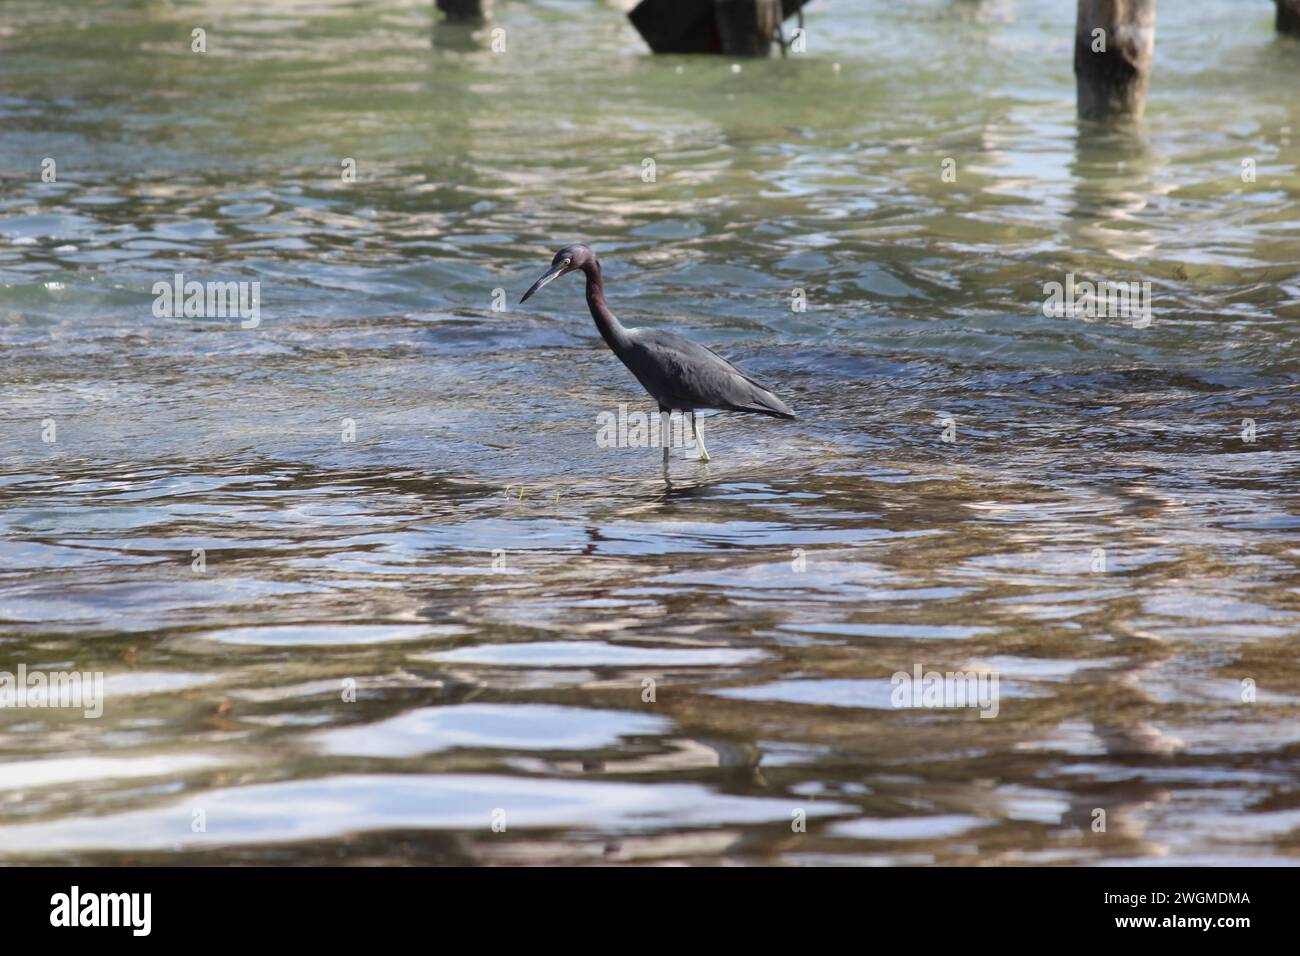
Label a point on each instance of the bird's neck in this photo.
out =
(611, 329)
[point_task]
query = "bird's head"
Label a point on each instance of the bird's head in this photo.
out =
(568, 259)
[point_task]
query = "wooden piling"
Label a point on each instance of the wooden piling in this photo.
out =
(730, 27)
(1288, 17)
(746, 27)
(465, 10)
(1114, 41)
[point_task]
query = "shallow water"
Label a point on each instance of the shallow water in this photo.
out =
(495, 588)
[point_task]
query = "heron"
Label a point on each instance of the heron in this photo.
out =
(679, 374)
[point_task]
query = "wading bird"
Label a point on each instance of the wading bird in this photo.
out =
(679, 374)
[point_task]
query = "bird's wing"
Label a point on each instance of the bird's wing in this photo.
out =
(698, 377)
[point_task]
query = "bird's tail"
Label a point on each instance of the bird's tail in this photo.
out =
(765, 403)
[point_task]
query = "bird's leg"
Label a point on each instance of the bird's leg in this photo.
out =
(663, 434)
(699, 439)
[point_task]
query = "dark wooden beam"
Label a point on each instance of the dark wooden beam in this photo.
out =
(1114, 41)
(1288, 17)
(732, 27)
(470, 10)
(746, 27)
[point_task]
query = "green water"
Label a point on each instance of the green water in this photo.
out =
(457, 618)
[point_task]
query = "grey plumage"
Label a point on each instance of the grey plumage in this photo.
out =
(682, 375)
(679, 374)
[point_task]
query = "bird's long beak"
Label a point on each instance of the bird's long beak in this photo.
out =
(549, 276)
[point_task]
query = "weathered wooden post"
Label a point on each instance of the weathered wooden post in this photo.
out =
(731, 27)
(1114, 41)
(746, 27)
(465, 10)
(1288, 17)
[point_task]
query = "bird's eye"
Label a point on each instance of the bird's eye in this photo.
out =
(567, 261)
